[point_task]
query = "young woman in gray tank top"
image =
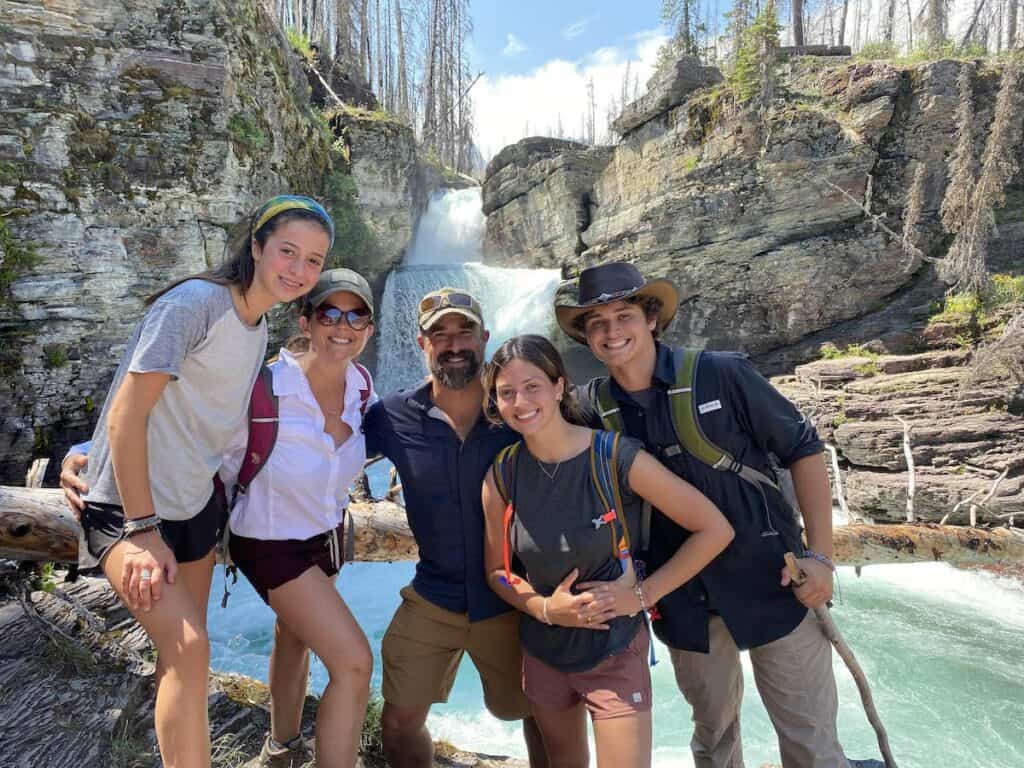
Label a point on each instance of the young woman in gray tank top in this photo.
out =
(584, 644)
(150, 517)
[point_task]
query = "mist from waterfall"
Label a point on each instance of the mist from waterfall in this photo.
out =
(446, 252)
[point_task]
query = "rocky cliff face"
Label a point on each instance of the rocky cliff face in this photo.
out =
(760, 221)
(136, 136)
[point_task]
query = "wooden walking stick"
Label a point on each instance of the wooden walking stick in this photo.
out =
(829, 629)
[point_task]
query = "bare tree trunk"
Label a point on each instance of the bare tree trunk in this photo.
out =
(1011, 25)
(910, 27)
(890, 21)
(381, 92)
(842, 21)
(974, 22)
(798, 21)
(936, 23)
(365, 63)
(403, 79)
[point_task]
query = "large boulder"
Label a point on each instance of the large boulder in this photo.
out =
(536, 197)
(668, 87)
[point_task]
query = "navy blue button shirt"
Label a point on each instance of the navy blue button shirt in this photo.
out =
(441, 480)
(745, 415)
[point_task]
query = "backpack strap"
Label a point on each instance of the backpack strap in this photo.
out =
(503, 469)
(611, 414)
(263, 420)
(691, 437)
(263, 409)
(364, 392)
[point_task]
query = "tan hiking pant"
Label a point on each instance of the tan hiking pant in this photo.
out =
(795, 680)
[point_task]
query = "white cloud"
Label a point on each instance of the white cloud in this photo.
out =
(509, 107)
(577, 28)
(514, 46)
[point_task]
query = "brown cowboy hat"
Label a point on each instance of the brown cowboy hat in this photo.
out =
(606, 283)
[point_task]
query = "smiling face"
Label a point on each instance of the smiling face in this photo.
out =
(619, 332)
(290, 261)
(454, 349)
(526, 398)
(340, 341)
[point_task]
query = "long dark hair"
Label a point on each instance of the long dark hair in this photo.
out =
(538, 351)
(239, 267)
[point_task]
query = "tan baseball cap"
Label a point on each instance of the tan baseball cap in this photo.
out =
(444, 301)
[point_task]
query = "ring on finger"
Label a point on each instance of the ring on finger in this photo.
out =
(145, 575)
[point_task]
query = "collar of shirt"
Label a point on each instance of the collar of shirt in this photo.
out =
(290, 379)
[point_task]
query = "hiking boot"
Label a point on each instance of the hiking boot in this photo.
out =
(291, 754)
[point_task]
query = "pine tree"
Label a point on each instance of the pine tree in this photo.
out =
(963, 166)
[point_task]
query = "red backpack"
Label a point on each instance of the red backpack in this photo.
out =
(263, 420)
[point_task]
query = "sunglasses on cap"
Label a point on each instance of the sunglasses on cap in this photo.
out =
(440, 301)
(328, 314)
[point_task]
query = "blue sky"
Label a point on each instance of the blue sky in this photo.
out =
(538, 56)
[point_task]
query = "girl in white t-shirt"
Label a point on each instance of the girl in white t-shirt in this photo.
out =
(287, 533)
(151, 517)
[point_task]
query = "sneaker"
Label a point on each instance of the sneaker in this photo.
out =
(291, 754)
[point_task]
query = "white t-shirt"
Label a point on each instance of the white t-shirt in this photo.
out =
(193, 333)
(303, 488)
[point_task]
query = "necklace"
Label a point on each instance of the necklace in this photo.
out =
(550, 475)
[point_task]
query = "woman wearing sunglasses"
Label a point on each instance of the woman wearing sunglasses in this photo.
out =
(286, 529)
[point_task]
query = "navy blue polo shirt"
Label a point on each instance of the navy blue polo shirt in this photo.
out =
(442, 477)
(741, 412)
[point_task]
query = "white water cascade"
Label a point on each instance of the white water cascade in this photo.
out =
(446, 252)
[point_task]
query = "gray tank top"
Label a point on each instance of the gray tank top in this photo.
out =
(553, 532)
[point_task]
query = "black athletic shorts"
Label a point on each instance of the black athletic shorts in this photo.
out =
(190, 540)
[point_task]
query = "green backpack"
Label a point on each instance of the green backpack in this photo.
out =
(691, 437)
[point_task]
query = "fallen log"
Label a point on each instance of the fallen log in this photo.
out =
(35, 525)
(926, 542)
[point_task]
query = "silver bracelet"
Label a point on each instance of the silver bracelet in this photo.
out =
(139, 525)
(820, 558)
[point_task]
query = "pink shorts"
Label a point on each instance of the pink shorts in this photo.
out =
(618, 686)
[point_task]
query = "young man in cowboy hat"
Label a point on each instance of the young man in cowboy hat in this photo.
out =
(743, 599)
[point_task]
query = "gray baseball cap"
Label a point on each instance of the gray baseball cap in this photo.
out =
(334, 280)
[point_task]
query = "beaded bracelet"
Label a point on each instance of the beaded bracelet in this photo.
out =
(820, 558)
(638, 588)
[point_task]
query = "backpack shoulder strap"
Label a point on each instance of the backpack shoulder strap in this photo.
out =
(364, 391)
(263, 409)
(503, 468)
(692, 439)
(611, 415)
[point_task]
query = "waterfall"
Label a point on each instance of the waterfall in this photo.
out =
(446, 252)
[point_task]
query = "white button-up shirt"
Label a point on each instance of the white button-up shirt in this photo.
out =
(303, 488)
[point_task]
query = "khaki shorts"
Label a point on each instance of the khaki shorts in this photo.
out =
(424, 644)
(617, 687)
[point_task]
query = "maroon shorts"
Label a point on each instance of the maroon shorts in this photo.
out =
(618, 686)
(268, 564)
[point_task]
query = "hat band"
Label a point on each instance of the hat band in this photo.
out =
(604, 298)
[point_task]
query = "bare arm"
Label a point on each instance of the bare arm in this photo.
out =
(810, 478)
(126, 429)
(563, 607)
(688, 508)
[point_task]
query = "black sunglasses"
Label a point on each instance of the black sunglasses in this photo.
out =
(328, 314)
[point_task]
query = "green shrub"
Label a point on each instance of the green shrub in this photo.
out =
(354, 242)
(370, 741)
(1006, 289)
(876, 50)
(15, 258)
(56, 355)
(745, 78)
(300, 44)
(246, 132)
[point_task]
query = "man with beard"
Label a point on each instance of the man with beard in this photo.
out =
(437, 438)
